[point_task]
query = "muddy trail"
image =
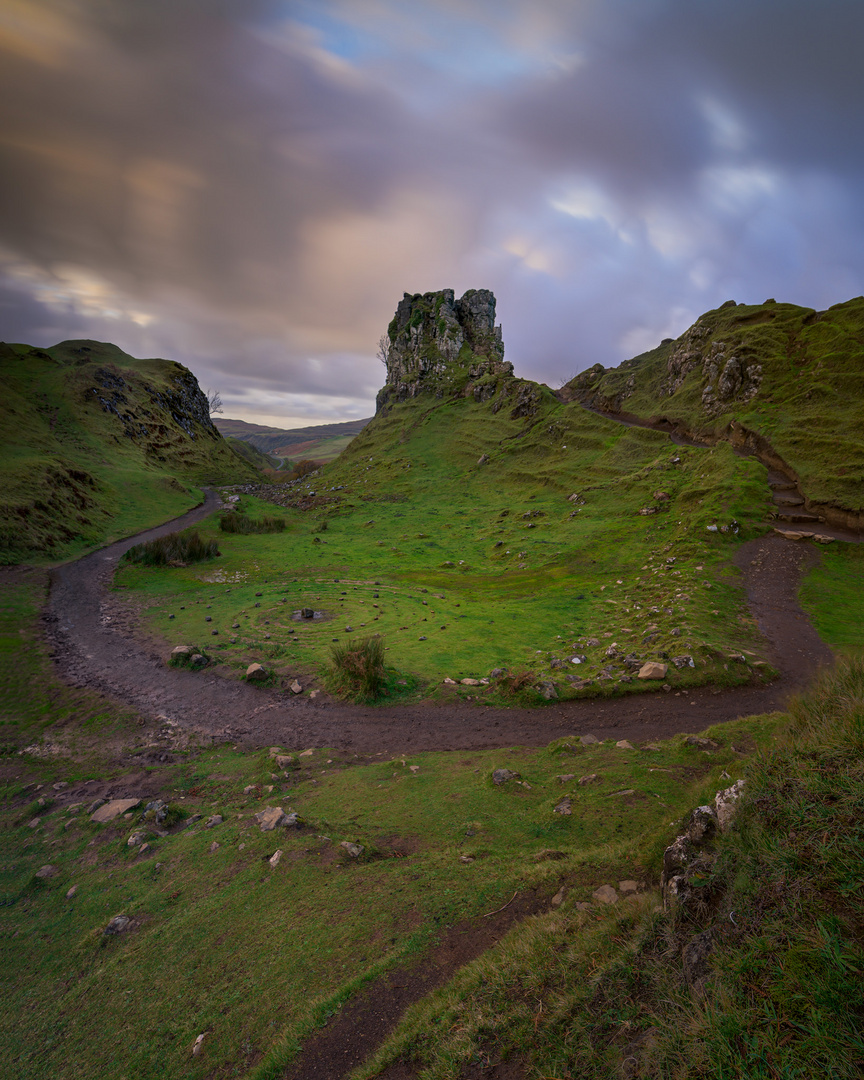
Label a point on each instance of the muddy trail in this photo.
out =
(95, 646)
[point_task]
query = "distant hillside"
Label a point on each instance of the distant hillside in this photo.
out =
(249, 452)
(96, 444)
(781, 380)
(323, 442)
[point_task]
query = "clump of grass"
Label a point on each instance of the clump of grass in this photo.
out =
(358, 668)
(239, 523)
(175, 549)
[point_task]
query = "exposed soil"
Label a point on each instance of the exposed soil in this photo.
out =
(93, 647)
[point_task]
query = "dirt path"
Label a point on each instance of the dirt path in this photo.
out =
(93, 648)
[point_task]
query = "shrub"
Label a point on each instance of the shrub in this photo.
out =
(238, 523)
(358, 667)
(175, 549)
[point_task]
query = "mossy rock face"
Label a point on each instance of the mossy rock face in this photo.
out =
(438, 343)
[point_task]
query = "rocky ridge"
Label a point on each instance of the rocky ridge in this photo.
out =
(438, 344)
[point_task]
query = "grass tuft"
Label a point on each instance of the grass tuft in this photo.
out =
(176, 549)
(358, 668)
(239, 523)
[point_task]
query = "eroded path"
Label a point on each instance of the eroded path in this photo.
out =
(93, 648)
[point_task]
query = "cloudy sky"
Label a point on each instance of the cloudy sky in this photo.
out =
(249, 186)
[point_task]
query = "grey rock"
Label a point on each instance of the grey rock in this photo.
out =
(211, 822)
(605, 895)
(501, 776)
(271, 817)
(256, 673)
(725, 804)
(683, 661)
(117, 925)
(47, 871)
(548, 690)
(653, 670)
(700, 743)
(590, 778)
(136, 839)
(110, 810)
(589, 740)
(565, 807)
(354, 851)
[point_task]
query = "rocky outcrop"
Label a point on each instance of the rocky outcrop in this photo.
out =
(438, 344)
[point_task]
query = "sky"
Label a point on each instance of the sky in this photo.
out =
(250, 186)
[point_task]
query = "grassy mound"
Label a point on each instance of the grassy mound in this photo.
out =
(761, 977)
(176, 549)
(97, 445)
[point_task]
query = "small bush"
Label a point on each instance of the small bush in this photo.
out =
(176, 549)
(358, 667)
(237, 523)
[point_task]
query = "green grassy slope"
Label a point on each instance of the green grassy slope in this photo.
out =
(516, 574)
(97, 444)
(321, 441)
(799, 383)
(251, 454)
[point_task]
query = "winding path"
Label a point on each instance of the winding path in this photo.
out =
(93, 648)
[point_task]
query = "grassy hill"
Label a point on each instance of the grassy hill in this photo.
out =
(321, 442)
(97, 444)
(785, 381)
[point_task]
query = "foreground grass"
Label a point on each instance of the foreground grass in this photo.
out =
(257, 955)
(833, 596)
(600, 994)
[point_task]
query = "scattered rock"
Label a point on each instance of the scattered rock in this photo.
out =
(589, 740)
(256, 673)
(653, 670)
(211, 822)
(622, 744)
(466, 859)
(414, 768)
(558, 899)
(34, 823)
(117, 925)
(71, 892)
(700, 743)
(501, 776)
(725, 804)
(295, 687)
(353, 850)
(564, 807)
(470, 682)
(284, 760)
(198, 1046)
(136, 839)
(47, 871)
(628, 888)
(60, 785)
(110, 810)
(547, 690)
(214, 846)
(685, 661)
(270, 818)
(605, 895)
(276, 857)
(197, 661)
(623, 791)
(565, 778)
(182, 652)
(589, 778)
(249, 789)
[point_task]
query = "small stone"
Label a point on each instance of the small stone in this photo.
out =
(653, 670)
(34, 823)
(622, 744)
(470, 682)
(211, 822)
(284, 760)
(564, 807)
(414, 768)
(565, 778)
(110, 810)
(71, 892)
(296, 688)
(700, 743)
(47, 871)
(143, 849)
(198, 1046)
(589, 778)
(605, 895)
(558, 899)
(136, 839)
(214, 846)
(466, 859)
(270, 818)
(306, 753)
(60, 785)
(580, 905)
(276, 857)
(501, 776)
(588, 740)
(249, 789)
(117, 925)
(627, 888)
(353, 850)
(256, 673)
(623, 791)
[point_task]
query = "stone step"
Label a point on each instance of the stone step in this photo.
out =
(782, 485)
(788, 500)
(800, 517)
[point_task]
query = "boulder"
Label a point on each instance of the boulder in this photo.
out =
(197, 661)
(605, 895)
(501, 776)
(470, 682)
(110, 810)
(270, 818)
(628, 888)
(725, 803)
(117, 925)
(653, 670)
(47, 871)
(182, 652)
(283, 761)
(622, 744)
(256, 673)
(589, 740)
(354, 851)
(565, 807)
(547, 690)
